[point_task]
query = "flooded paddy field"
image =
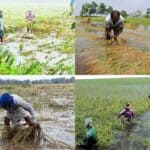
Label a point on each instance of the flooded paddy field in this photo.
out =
(108, 97)
(98, 56)
(54, 106)
(50, 45)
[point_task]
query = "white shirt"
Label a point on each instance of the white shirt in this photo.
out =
(20, 109)
(108, 19)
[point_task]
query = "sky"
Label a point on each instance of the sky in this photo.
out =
(63, 2)
(128, 5)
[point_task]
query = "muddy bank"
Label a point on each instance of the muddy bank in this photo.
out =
(54, 105)
(95, 55)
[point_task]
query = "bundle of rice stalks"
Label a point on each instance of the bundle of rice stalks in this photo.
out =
(26, 134)
(21, 134)
(18, 137)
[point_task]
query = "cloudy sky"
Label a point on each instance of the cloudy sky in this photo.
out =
(59, 2)
(128, 5)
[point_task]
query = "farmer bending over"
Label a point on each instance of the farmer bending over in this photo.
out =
(90, 138)
(1, 26)
(114, 22)
(30, 18)
(16, 110)
(127, 112)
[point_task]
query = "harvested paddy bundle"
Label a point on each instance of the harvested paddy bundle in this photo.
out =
(21, 134)
(17, 137)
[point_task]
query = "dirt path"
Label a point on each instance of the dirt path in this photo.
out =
(95, 55)
(47, 49)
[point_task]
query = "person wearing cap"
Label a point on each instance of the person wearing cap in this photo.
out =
(1, 26)
(128, 113)
(17, 110)
(113, 22)
(30, 19)
(90, 139)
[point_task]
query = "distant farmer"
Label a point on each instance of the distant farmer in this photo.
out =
(1, 26)
(128, 113)
(90, 138)
(114, 22)
(17, 110)
(30, 18)
(72, 3)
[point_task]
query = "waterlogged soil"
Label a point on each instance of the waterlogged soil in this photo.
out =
(54, 105)
(95, 55)
(134, 137)
(47, 49)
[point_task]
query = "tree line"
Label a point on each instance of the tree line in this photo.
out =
(93, 8)
(37, 81)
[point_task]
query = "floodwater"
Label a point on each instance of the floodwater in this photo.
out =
(133, 137)
(28, 47)
(138, 38)
(56, 116)
(95, 55)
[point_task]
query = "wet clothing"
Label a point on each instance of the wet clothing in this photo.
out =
(127, 114)
(1, 27)
(90, 139)
(117, 27)
(18, 110)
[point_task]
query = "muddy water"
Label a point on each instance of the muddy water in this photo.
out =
(95, 55)
(138, 38)
(133, 137)
(57, 126)
(89, 53)
(28, 47)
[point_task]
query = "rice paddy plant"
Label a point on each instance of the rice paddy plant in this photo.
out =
(103, 100)
(7, 65)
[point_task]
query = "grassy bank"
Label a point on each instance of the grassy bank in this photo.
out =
(103, 100)
(137, 21)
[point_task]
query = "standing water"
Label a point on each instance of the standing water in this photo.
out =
(134, 137)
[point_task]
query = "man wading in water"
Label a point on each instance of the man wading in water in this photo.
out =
(127, 113)
(17, 110)
(90, 138)
(114, 22)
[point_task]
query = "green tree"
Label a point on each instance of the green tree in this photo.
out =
(148, 11)
(94, 4)
(102, 8)
(124, 13)
(109, 9)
